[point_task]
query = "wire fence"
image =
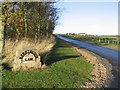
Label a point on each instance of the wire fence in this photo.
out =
(99, 39)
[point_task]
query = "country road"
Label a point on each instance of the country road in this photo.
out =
(110, 54)
(113, 56)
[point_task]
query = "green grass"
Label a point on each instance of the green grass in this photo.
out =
(67, 69)
(113, 46)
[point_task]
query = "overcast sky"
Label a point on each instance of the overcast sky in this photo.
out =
(98, 18)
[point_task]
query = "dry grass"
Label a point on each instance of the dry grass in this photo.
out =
(11, 47)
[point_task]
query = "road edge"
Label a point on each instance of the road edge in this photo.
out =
(105, 70)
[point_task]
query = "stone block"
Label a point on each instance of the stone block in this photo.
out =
(26, 60)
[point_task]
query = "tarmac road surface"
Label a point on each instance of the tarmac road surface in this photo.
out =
(107, 53)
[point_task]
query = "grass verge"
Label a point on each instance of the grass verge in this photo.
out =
(67, 69)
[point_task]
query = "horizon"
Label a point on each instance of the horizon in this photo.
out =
(86, 34)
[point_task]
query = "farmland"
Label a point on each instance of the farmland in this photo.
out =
(112, 42)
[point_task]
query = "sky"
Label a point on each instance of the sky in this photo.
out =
(97, 18)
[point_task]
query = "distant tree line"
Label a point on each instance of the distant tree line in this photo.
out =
(28, 19)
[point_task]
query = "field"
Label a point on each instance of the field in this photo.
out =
(66, 69)
(112, 42)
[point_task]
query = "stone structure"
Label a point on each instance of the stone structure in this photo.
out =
(26, 60)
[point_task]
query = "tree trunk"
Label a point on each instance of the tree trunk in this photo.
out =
(25, 24)
(2, 38)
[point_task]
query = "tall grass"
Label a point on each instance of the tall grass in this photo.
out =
(11, 47)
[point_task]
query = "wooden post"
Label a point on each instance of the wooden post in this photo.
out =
(99, 39)
(108, 41)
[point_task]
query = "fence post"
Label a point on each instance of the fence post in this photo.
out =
(108, 41)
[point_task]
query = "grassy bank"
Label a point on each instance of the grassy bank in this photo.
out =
(67, 69)
(92, 40)
(42, 47)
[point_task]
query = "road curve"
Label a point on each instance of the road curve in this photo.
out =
(102, 51)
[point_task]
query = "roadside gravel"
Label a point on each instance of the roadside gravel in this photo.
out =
(102, 76)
